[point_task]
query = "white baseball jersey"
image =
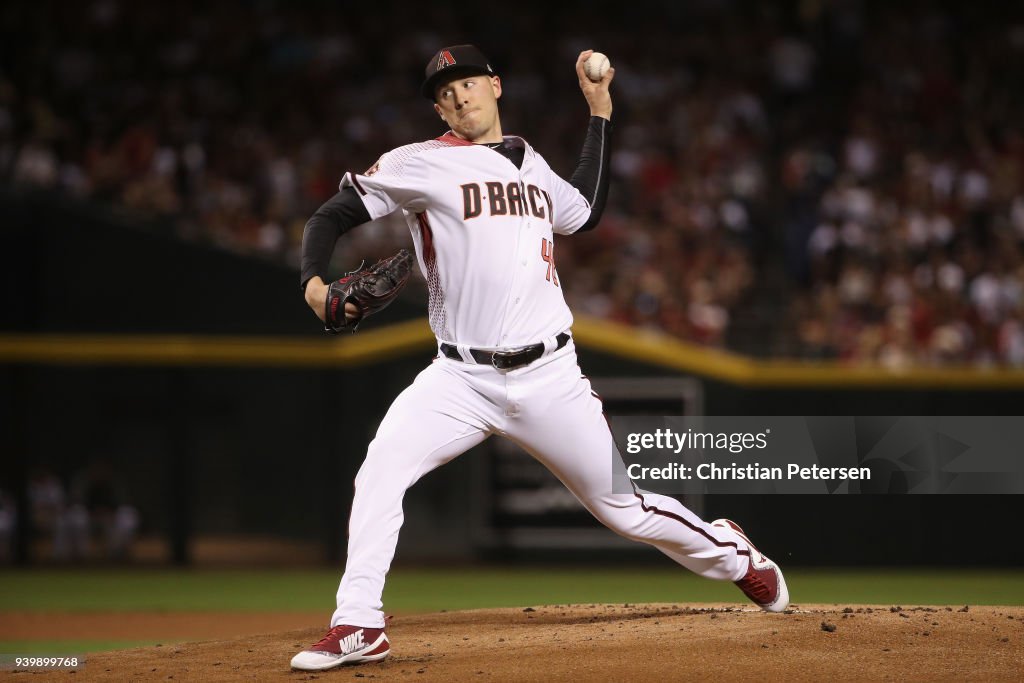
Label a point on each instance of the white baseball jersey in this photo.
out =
(483, 232)
(469, 210)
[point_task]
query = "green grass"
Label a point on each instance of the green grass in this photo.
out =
(167, 590)
(425, 590)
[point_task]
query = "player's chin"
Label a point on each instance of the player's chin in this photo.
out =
(469, 131)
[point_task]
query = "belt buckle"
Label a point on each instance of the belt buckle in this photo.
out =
(508, 356)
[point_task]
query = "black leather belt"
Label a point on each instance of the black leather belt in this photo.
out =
(506, 360)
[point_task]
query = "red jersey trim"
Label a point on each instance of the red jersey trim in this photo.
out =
(450, 138)
(355, 183)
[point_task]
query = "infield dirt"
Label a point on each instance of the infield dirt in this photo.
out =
(669, 642)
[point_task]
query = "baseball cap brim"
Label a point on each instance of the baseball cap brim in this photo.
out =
(430, 85)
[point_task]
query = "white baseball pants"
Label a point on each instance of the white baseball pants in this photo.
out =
(550, 410)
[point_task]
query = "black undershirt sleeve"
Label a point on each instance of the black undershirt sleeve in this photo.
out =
(338, 215)
(592, 170)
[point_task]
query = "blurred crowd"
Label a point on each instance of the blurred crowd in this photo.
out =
(823, 179)
(90, 518)
(905, 226)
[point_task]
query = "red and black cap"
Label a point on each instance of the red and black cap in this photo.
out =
(452, 62)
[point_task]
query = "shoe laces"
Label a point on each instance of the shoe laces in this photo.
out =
(332, 636)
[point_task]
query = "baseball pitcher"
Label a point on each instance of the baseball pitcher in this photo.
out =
(484, 209)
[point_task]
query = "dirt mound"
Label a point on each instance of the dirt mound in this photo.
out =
(624, 642)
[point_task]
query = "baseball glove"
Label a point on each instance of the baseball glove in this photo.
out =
(369, 289)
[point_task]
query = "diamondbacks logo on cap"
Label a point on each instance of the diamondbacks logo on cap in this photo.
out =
(445, 59)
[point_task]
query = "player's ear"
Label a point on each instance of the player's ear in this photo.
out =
(496, 86)
(437, 108)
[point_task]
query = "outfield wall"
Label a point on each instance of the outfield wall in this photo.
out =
(207, 449)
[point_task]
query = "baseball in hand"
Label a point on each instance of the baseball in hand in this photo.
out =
(596, 66)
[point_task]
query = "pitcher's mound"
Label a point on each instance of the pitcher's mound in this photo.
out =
(668, 642)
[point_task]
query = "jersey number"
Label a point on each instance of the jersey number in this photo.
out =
(547, 252)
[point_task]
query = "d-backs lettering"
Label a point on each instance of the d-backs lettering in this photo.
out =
(513, 199)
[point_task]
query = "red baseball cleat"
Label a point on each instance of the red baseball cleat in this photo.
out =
(763, 583)
(344, 645)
